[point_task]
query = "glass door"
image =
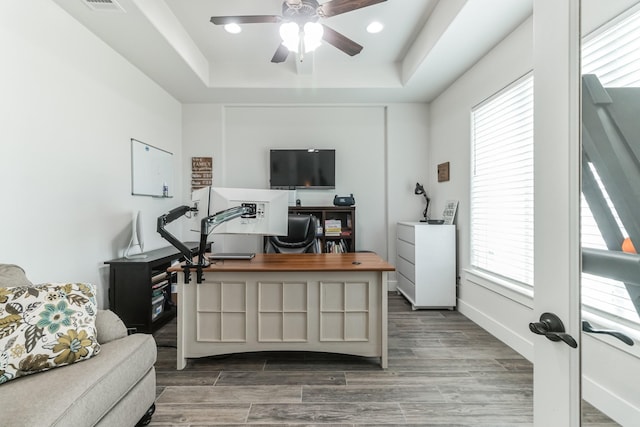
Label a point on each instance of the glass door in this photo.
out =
(610, 207)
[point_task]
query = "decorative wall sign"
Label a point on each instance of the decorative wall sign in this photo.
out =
(443, 172)
(201, 172)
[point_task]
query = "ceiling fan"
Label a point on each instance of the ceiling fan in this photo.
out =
(301, 12)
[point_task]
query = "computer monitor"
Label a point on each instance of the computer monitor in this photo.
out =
(271, 210)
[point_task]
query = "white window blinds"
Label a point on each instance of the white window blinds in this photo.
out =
(613, 54)
(502, 183)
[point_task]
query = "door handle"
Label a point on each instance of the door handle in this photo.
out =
(551, 327)
(586, 327)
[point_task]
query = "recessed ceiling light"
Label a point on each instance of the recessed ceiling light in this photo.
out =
(375, 27)
(233, 28)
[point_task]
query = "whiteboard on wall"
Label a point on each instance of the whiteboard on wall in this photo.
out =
(151, 170)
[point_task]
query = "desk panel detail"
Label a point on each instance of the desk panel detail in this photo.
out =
(344, 311)
(283, 311)
(221, 314)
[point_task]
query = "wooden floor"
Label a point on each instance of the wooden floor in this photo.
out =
(444, 370)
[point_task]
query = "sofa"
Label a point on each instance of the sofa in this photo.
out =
(113, 387)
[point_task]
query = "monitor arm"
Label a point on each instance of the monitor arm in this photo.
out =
(246, 210)
(168, 218)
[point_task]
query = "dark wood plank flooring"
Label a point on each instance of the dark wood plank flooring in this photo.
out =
(444, 370)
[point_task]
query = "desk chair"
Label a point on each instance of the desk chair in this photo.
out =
(301, 237)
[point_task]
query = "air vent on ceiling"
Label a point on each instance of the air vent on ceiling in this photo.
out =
(103, 5)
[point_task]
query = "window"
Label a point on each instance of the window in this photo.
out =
(613, 54)
(502, 183)
(502, 175)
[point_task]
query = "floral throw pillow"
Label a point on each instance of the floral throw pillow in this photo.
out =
(46, 326)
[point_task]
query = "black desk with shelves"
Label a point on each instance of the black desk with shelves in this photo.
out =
(140, 289)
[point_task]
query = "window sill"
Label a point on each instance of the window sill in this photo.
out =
(517, 293)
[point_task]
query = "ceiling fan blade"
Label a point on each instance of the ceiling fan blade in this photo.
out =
(336, 7)
(254, 19)
(340, 41)
(281, 54)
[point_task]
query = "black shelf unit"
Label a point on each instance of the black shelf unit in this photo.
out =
(131, 288)
(347, 217)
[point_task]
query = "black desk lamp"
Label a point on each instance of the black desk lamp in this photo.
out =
(420, 190)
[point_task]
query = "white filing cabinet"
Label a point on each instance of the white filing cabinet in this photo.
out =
(426, 264)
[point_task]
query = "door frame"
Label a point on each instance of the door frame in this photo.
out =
(556, 36)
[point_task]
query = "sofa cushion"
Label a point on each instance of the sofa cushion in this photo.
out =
(83, 393)
(109, 326)
(12, 275)
(46, 326)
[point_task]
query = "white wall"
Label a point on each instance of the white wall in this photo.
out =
(498, 308)
(68, 108)
(380, 154)
(408, 163)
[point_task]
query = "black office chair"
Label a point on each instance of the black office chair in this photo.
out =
(301, 237)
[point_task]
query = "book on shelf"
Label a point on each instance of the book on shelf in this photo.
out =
(160, 285)
(336, 247)
(332, 227)
(159, 277)
(332, 223)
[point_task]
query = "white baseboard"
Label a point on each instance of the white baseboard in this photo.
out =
(618, 409)
(498, 330)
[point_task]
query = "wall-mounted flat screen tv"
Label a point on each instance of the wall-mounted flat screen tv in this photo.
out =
(302, 169)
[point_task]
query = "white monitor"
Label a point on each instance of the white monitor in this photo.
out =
(271, 207)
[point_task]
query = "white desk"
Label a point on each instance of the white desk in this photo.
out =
(333, 303)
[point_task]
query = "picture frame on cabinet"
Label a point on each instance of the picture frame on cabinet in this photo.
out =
(449, 213)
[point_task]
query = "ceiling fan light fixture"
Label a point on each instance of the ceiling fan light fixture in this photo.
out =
(312, 36)
(290, 34)
(232, 28)
(306, 40)
(375, 27)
